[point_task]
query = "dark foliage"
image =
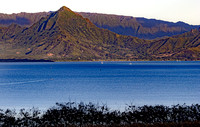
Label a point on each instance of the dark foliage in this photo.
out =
(80, 114)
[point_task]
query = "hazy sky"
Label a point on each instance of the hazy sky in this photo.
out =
(170, 10)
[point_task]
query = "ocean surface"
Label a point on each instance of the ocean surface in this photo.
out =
(117, 84)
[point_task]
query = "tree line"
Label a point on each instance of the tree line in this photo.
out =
(95, 115)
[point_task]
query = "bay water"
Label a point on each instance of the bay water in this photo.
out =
(117, 84)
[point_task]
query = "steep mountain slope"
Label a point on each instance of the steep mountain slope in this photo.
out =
(139, 27)
(10, 31)
(7, 35)
(65, 35)
(181, 47)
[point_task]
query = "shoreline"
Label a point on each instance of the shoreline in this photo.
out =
(24, 60)
(114, 60)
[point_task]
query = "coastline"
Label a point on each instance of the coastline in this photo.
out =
(99, 60)
(24, 60)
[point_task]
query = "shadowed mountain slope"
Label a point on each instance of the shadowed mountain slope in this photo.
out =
(139, 27)
(23, 19)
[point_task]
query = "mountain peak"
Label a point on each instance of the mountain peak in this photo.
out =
(64, 8)
(65, 12)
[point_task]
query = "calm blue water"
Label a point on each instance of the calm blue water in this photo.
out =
(24, 85)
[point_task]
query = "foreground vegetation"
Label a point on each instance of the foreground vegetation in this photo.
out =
(80, 114)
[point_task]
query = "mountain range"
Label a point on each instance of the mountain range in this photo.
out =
(65, 35)
(125, 25)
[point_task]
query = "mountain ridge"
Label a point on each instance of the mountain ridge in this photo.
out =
(139, 27)
(24, 19)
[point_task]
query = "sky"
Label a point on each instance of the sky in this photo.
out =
(187, 11)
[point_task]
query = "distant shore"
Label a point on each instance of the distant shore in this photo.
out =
(74, 60)
(24, 60)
